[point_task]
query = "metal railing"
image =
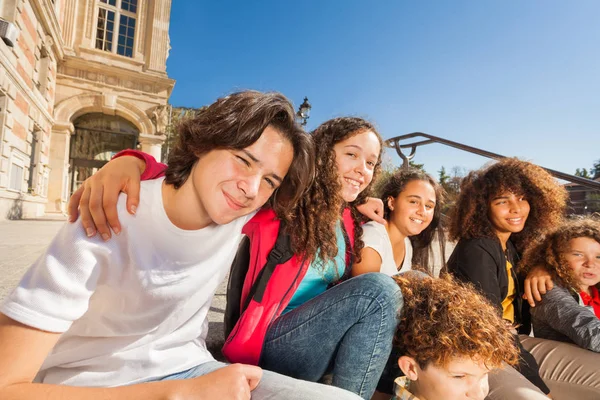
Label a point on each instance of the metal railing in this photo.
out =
(395, 143)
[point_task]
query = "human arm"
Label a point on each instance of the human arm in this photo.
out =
(537, 283)
(370, 261)
(27, 347)
(97, 196)
(562, 313)
(372, 209)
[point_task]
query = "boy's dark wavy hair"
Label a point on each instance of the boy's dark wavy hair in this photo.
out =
(547, 200)
(318, 212)
(421, 243)
(236, 122)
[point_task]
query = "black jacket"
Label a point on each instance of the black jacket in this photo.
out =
(482, 262)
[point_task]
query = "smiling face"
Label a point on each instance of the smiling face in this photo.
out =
(356, 158)
(412, 210)
(583, 258)
(461, 379)
(233, 183)
(508, 213)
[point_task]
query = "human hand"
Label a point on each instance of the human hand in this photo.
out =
(537, 283)
(373, 209)
(97, 196)
(233, 382)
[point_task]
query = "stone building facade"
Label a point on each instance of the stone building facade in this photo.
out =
(83, 80)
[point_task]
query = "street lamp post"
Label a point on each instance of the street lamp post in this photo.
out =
(303, 113)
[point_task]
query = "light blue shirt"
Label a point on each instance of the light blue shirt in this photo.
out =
(317, 277)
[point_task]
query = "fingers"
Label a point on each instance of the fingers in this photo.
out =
(253, 375)
(539, 289)
(133, 195)
(73, 205)
(549, 284)
(84, 210)
(110, 196)
(527, 293)
(379, 218)
(96, 202)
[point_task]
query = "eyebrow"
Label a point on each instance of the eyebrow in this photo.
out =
(259, 163)
(361, 149)
(419, 197)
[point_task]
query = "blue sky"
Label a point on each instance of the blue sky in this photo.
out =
(519, 78)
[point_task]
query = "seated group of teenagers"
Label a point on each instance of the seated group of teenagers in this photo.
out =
(116, 307)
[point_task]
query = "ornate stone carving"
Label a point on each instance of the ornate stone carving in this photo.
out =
(111, 79)
(160, 118)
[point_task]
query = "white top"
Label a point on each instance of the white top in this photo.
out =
(376, 237)
(131, 309)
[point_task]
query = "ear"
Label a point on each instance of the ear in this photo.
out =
(390, 203)
(409, 366)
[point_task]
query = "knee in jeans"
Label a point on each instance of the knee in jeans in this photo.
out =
(386, 289)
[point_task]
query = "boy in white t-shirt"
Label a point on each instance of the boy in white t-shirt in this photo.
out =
(100, 320)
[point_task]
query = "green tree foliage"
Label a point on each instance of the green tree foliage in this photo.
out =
(596, 170)
(583, 172)
(177, 115)
(443, 177)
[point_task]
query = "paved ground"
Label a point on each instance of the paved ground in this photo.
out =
(22, 242)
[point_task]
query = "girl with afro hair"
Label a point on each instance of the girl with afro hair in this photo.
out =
(502, 208)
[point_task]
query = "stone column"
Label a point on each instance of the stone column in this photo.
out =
(59, 167)
(152, 144)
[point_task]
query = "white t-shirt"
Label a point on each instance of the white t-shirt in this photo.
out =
(376, 237)
(131, 309)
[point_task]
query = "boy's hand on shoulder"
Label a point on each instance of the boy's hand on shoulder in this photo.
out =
(97, 197)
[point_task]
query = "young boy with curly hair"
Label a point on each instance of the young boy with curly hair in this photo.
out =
(569, 312)
(449, 339)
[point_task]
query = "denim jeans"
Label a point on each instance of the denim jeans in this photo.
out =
(272, 386)
(347, 330)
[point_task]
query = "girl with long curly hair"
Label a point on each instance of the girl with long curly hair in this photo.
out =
(412, 204)
(502, 208)
(448, 340)
(569, 312)
(325, 322)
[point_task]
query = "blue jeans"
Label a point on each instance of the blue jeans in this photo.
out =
(348, 330)
(272, 386)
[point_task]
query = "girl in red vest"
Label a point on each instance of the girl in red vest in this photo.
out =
(312, 319)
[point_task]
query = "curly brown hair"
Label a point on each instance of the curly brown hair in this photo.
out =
(421, 243)
(235, 122)
(443, 319)
(547, 200)
(314, 227)
(550, 250)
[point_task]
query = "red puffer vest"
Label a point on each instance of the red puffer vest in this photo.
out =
(245, 343)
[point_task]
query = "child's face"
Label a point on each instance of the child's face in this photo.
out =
(412, 210)
(461, 379)
(232, 183)
(508, 212)
(356, 158)
(583, 258)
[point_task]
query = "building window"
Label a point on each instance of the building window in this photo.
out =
(123, 13)
(16, 176)
(126, 34)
